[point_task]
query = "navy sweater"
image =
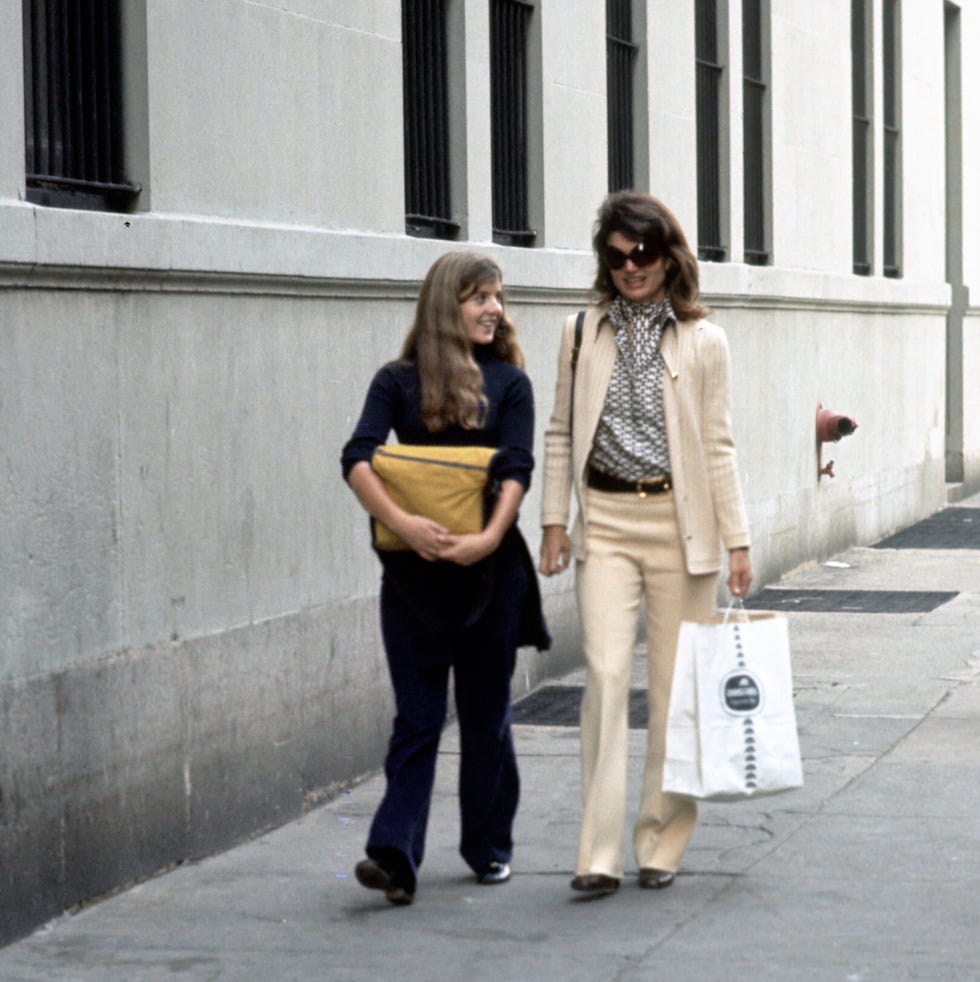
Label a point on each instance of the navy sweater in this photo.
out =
(445, 597)
(394, 403)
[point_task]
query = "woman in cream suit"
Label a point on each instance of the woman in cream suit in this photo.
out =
(641, 430)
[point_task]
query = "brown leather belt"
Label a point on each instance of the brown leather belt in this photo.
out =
(600, 481)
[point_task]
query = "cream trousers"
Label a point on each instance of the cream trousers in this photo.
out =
(633, 553)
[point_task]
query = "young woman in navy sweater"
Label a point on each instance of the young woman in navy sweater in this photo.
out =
(465, 602)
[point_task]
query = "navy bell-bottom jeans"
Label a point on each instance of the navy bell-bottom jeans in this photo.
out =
(482, 661)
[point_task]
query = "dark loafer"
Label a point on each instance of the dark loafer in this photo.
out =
(494, 873)
(595, 883)
(371, 874)
(655, 879)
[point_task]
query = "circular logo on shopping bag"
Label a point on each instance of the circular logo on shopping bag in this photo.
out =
(741, 693)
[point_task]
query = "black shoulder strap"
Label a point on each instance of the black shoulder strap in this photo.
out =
(579, 321)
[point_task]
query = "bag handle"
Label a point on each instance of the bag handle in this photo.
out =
(739, 605)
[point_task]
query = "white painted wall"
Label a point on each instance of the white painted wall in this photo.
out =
(671, 99)
(573, 137)
(923, 141)
(287, 113)
(970, 26)
(11, 98)
(472, 40)
(810, 95)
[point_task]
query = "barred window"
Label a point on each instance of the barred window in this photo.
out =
(425, 74)
(509, 21)
(892, 140)
(709, 77)
(73, 111)
(620, 62)
(754, 92)
(862, 148)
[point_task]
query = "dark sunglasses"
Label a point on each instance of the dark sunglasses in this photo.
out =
(642, 255)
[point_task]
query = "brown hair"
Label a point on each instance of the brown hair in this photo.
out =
(643, 218)
(452, 384)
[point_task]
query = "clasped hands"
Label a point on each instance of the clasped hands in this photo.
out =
(434, 542)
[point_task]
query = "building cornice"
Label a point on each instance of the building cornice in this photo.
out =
(61, 249)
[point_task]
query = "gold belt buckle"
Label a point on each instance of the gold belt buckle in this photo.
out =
(641, 486)
(640, 489)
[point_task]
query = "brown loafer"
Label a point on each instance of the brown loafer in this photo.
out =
(374, 876)
(655, 879)
(595, 883)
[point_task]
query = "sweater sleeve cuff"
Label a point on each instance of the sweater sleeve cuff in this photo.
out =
(554, 518)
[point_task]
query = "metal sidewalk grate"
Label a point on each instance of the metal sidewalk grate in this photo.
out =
(952, 528)
(558, 705)
(851, 601)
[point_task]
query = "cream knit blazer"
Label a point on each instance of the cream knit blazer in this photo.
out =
(697, 408)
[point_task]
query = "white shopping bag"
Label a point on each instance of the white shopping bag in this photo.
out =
(731, 725)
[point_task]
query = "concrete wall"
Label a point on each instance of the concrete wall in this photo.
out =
(967, 364)
(12, 101)
(670, 102)
(875, 353)
(273, 90)
(810, 94)
(189, 647)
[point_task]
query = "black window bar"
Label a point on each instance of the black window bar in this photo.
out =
(892, 139)
(754, 96)
(709, 74)
(861, 138)
(620, 59)
(73, 107)
(508, 97)
(425, 73)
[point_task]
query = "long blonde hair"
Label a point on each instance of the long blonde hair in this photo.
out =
(452, 384)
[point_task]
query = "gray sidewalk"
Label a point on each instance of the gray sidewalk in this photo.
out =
(870, 872)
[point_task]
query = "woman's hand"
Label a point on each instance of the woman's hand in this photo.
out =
(739, 572)
(556, 550)
(428, 538)
(423, 535)
(466, 550)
